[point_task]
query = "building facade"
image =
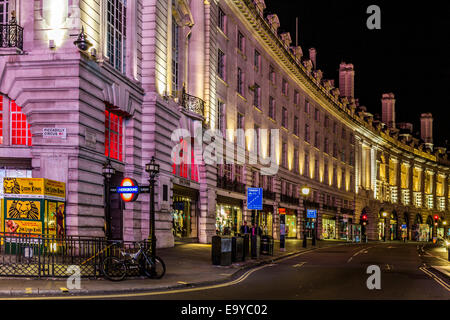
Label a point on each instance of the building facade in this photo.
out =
(220, 98)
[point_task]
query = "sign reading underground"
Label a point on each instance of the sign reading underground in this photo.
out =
(129, 190)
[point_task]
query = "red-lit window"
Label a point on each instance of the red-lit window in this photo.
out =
(182, 169)
(20, 129)
(113, 135)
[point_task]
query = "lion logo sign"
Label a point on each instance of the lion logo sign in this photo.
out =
(23, 210)
(11, 185)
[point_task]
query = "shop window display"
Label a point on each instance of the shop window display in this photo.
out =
(228, 220)
(291, 226)
(183, 223)
(329, 228)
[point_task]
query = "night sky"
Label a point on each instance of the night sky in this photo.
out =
(409, 56)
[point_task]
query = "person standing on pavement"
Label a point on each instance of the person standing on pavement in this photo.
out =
(244, 228)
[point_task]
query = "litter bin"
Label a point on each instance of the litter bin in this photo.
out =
(237, 253)
(267, 245)
(246, 245)
(221, 250)
(256, 246)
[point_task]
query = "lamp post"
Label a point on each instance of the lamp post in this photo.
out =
(305, 192)
(384, 233)
(152, 169)
(107, 172)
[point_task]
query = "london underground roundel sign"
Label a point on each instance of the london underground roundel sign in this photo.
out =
(129, 190)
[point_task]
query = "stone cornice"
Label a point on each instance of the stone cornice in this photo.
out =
(248, 15)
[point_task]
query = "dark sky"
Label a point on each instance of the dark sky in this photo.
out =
(409, 56)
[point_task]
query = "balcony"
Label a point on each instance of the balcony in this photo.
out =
(11, 37)
(289, 199)
(330, 208)
(230, 185)
(311, 204)
(193, 104)
(269, 195)
(347, 211)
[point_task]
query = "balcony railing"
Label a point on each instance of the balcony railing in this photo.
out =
(289, 199)
(347, 211)
(311, 204)
(11, 35)
(193, 104)
(269, 195)
(330, 208)
(230, 185)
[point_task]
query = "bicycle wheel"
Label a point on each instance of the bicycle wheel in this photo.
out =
(114, 269)
(158, 270)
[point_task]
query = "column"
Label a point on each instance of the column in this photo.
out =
(197, 51)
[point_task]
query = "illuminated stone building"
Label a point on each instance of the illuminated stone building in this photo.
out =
(155, 66)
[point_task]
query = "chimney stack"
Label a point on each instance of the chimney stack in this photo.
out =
(388, 110)
(426, 129)
(347, 80)
(313, 57)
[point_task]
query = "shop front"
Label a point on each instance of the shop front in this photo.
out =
(345, 231)
(290, 222)
(229, 217)
(184, 212)
(328, 227)
(266, 220)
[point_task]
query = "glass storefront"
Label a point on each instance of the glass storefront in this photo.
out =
(421, 232)
(228, 219)
(291, 225)
(266, 220)
(184, 218)
(329, 228)
(343, 230)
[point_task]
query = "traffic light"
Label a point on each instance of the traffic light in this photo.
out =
(364, 219)
(436, 217)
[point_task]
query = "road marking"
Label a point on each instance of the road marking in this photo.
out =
(301, 264)
(365, 251)
(182, 282)
(441, 282)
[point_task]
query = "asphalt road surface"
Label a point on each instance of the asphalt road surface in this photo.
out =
(336, 273)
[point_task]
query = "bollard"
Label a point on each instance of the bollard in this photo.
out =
(304, 240)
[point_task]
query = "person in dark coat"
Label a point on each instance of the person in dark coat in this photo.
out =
(245, 229)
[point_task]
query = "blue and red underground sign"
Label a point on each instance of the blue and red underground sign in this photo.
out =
(129, 190)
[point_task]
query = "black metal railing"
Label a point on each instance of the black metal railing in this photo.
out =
(41, 256)
(230, 185)
(288, 199)
(347, 211)
(193, 104)
(269, 195)
(11, 35)
(311, 204)
(330, 208)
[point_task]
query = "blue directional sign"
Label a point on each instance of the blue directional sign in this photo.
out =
(254, 198)
(312, 214)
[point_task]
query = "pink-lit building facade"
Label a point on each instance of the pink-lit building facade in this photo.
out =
(160, 65)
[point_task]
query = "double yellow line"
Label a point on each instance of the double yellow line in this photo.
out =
(441, 282)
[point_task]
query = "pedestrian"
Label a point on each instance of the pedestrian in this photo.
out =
(244, 228)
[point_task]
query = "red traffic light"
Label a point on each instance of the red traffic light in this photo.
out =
(436, 217)
(364, 217)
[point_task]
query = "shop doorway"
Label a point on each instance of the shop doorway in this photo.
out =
(291, 224)
(329, 228)
(393, 227)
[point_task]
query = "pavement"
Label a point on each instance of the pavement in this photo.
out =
(188, 264)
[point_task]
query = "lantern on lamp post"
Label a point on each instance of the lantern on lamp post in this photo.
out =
(152, 168)
(305, 191)
(107, 172)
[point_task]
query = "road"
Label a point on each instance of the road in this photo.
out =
(336, 273)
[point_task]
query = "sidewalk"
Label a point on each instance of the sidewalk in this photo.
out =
(441, 254)
(187, 265)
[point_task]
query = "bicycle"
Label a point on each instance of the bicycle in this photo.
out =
(116, 269)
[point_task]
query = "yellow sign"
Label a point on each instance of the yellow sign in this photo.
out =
(23, 209)
(34, 186)
(18, 226)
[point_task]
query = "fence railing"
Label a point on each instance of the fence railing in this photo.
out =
(28, 255)
(11, 35)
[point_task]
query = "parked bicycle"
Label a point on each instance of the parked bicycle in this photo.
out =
(116, 269)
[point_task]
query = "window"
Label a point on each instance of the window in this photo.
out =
(334, 127)
(344, 134)
(20, 129)
(257, 96)
(222, 21)
(272, 108)
(284, 155)
(175, 56)
(238, 173)
(113, 135)
(351, 159)
(326, 146)
(116, 33)
(316, 114)
(240, 82)
(316, 169)
(326, 122)
(4, 9)
(241, 42)
(257, 139)
(272, 75)
(307, 133)
(306, 171)
(342, 179)
(296, 97)
(221, 64)
(257, 61)
(334, 177)
(307, 107)
(316, 139)
(296, 122)
(284, 118)
(335, 152)
(296, 164)
(343, 155)
(221, 123)
(284, 87)
(326, 173)
(240, 125)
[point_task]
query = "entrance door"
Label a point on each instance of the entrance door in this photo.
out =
(116, 209)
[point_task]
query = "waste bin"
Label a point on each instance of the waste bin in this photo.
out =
(237, 252)
(221, 250)
(246, 246)
(267, 245)
(256, 246)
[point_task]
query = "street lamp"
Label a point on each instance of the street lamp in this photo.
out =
(305, 192)
(152, 169)
(385, 214)
(107, 172)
